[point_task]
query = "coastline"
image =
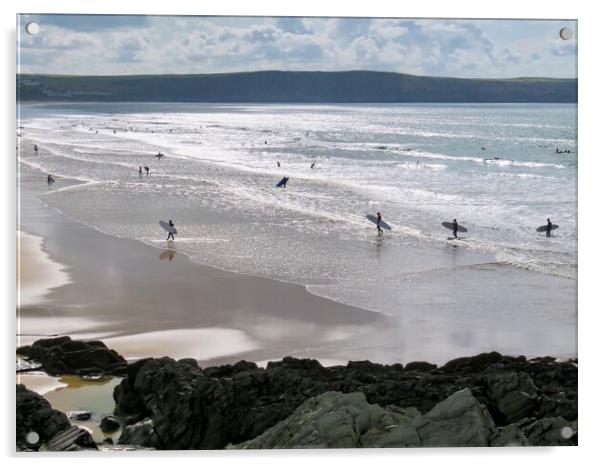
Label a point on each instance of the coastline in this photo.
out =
(485, 400)
(37, 273)
(125, 288)
(149, 301)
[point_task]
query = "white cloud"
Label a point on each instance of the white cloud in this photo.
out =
(204, 45)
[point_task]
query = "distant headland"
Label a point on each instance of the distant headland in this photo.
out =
(294, 87)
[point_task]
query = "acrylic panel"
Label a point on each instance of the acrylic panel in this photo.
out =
(295, 232)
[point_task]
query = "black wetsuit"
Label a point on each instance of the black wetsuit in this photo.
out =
(170, 235)
(378, 228)
(549, 229)
(455, 229)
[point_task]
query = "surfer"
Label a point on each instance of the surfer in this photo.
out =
(313, 165)
(35, 148)
(140, 170)
(455, 230)
(379, 219)
(171, 224)
(278, 163)
(147, 170)
(50, 179)
(549, 228)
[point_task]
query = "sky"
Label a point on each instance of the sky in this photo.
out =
(118, 45)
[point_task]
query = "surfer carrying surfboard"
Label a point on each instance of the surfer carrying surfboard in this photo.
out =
(170, 234)
(549, 229)
(455, 228)
(379, 219)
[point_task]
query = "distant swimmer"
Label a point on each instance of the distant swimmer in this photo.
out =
(379, 220)
(483, 148)
(114, 132)
(147, 170)
(50, 179)
(278, 163)
(313, 165)
(455, 228)
(170, 235)
(159, 155)
(265, 142)
(140, 171)
(35, 148)
(549, 228)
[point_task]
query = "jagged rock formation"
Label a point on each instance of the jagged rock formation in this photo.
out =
(62, 355)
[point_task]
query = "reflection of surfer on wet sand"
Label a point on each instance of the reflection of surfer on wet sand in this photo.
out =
(167, 254)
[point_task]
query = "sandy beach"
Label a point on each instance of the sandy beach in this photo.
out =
(144, 304)
(153, 301)
(36, 272)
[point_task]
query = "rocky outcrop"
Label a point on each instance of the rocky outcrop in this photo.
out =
(194, 408)
(488, 399)
(35, 415)
(330, 420)
(513, 394)
(40, 427)
(140, 433)
(72, 439)
(59, 356)
(336, 420)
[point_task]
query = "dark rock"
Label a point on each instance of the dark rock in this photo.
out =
(79, 415)
(472, 364)
(193, 408)
(544, 359)
(558, 405)
(330, 420)
(72, 439)
(62, 355)
(513, 395)
(509, 436)
(189, 361)
(34, 414)
(141, 433)
(551, 431)
(420, 366)
(336, 420)
(109, 424)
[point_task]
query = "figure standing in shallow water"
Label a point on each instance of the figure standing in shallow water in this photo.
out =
(379, 219)
(171, 224)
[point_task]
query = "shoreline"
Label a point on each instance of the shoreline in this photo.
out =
(37, 272)
(78, 308)
(269, 319)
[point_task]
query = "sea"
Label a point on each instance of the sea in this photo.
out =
(500, 169)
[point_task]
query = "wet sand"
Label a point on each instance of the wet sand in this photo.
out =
(36, 272)
(142, 303)
(151, 301)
